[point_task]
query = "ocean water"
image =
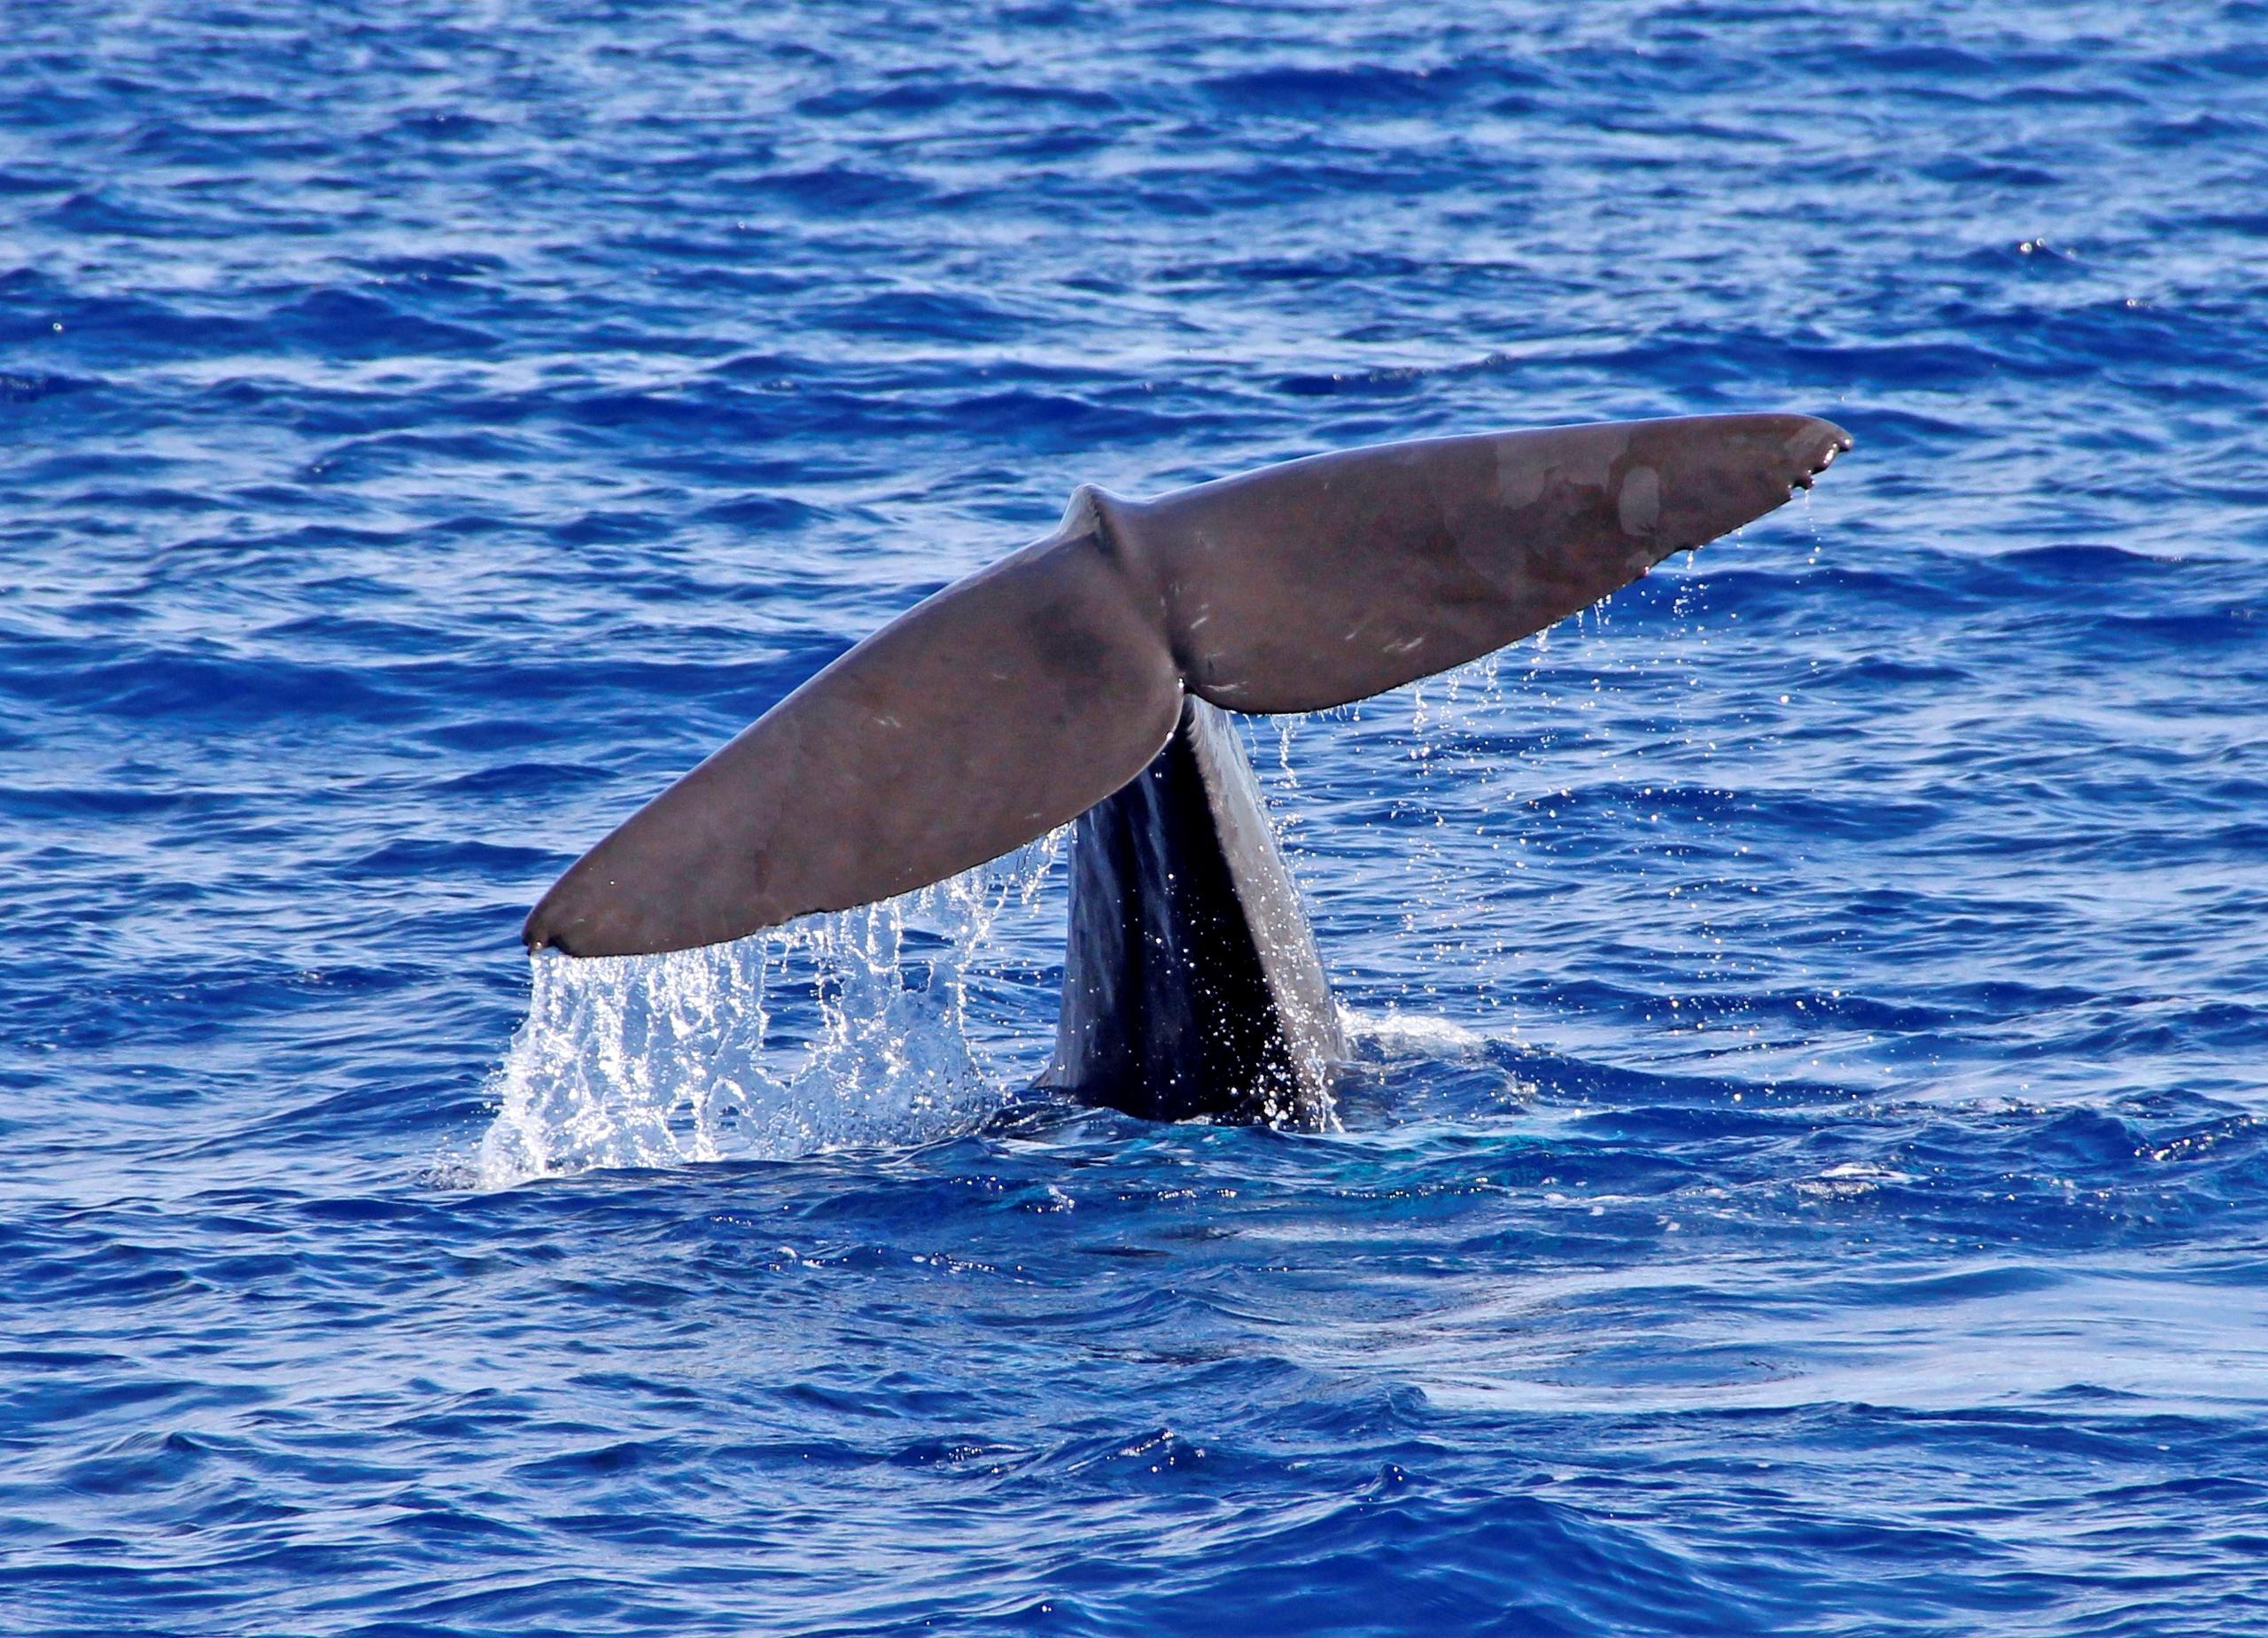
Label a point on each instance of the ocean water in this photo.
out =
(1804, 1169)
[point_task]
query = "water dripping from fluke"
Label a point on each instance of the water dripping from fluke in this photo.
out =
(841, 1031)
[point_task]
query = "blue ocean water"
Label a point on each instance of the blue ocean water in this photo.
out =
(1806, 1170)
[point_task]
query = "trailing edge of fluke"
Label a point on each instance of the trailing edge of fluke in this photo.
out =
(1013, 701)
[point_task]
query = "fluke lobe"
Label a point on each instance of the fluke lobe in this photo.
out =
(1074, 679)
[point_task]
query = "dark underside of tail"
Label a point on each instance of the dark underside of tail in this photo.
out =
(1191, 987)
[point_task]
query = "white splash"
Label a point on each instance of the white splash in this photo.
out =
(835, 1031)
(1397, 1034)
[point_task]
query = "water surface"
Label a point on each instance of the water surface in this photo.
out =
(1805, 1172)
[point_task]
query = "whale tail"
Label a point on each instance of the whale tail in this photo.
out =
(1192, 982)
(1014, 700)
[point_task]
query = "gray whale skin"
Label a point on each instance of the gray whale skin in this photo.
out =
(1088, 677)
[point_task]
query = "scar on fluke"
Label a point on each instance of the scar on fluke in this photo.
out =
(1087, 677)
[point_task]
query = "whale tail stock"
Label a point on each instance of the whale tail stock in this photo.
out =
(1014, 700)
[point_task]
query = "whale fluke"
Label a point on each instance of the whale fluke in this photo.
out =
(1014, 700)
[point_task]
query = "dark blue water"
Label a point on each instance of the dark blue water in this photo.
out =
(1805, 1172)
